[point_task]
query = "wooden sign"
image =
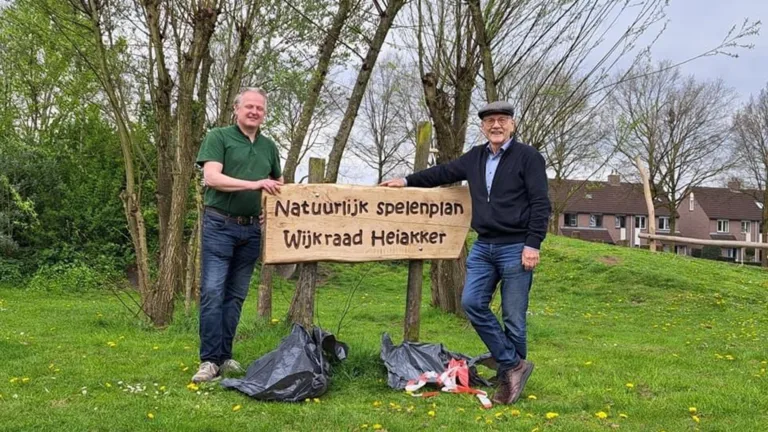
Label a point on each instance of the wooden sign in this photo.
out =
(330, 222)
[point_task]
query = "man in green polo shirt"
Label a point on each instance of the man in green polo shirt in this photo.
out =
(238, 164)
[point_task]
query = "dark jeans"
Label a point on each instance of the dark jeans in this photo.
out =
(229, 254)
(487, 264)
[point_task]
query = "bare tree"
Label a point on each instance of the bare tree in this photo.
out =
(677, 126)
(750, 137)
(383, 139)
(386, 15)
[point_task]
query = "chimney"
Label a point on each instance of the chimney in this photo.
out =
(734, 184)
(614, 179)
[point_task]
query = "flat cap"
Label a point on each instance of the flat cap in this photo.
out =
(498, 107)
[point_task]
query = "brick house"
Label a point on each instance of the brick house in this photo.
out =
(607, 212)
(722, 214)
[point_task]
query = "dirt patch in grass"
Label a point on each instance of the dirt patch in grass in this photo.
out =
(610, 260)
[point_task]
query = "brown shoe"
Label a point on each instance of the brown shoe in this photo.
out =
(502, 392)
(512, 383)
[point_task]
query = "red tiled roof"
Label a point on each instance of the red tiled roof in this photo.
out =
(601, 197)
(595, 235)
(724, 203)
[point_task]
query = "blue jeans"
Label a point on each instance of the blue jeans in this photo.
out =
(229, 254)
(487, 264)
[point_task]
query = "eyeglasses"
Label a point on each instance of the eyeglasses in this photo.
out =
(502, 121)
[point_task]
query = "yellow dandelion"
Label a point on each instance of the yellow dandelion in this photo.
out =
(622, 415)
(589, 363)
(488, 421)
(729, 357)
(459, 409)
(629, 385)
(695, 418)
(376, 404)
(155, 347)
(515, 412)
(316, 400)
(185, 369)
(162, 388)
(193, 387)
(307, 400)
(478, 418)
(25, 380)
(13, 380)
(111, 344)
(552, 415)
(377, 426)
(692, 410)
(236, 408)
(535, 430)
(532, 397)
(275, 321)
(150, 416)
(107, 385)
(499, 414)
(601, 415)
(364, 426)
(431, 413)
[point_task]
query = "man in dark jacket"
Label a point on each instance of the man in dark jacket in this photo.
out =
(510, 212)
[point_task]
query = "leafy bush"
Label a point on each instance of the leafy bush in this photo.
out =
(711, 252)
(10, 271)
(72, 277)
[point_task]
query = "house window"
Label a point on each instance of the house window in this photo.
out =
(640, 222)
(730, 252)
(596, 221)
(745, 227)
(664, 223)
(691, 202)
(571, 220)
(681, 250)
(722, 225)
(621, 221)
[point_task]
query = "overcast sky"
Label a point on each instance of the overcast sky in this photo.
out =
(695, 26)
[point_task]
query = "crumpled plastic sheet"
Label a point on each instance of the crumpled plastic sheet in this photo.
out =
(300, 367)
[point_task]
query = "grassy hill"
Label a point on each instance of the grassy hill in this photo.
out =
(622, 339)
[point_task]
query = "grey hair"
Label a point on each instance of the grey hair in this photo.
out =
(250, 89)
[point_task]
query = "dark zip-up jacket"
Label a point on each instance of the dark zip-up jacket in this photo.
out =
(517, 209)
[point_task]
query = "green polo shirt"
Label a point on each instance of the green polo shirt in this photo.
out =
(242, 159)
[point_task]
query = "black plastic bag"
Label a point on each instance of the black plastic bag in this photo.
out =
(411, 359)
(298, 369)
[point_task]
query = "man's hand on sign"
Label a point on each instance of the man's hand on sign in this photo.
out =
(530, 258)
(393, 183)
(270, 186)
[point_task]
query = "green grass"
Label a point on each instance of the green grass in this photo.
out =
(684, 332)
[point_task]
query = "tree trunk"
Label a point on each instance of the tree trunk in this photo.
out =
(484, 44)
(363, 76)
(315, 86)
(160, 307)
(235, 67)
(302, 309)
(264, 311)
(160, 92)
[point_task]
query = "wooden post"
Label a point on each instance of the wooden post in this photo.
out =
(416, 267)
(302, 308)
(648, 202)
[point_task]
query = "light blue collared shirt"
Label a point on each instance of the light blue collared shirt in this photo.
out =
(492, 163)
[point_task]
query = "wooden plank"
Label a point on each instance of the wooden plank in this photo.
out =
(412, 320)
(704, 242)
(648, 202)
(344, 223)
